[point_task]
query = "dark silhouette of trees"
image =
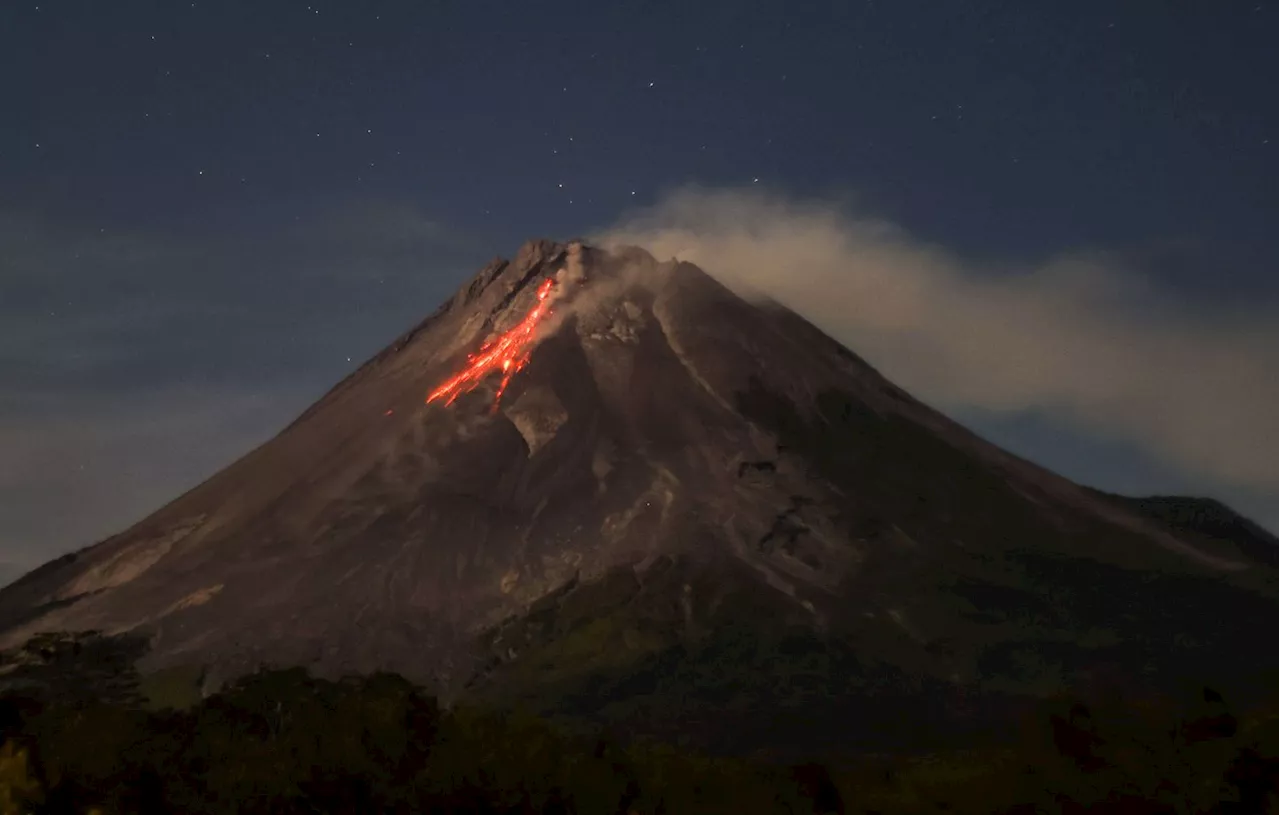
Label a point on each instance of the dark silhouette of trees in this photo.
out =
(287, 742)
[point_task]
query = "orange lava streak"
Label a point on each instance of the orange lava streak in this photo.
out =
(507, 354)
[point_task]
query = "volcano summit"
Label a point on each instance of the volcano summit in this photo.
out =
(609, 488)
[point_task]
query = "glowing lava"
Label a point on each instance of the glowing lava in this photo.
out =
(507, 354)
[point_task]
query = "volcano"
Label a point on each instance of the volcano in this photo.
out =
(610, 489)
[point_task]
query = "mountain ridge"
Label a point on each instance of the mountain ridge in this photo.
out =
(798, 509)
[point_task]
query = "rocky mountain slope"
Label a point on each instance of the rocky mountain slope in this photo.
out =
(684, 514)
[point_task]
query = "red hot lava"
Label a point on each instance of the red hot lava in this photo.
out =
(507, 354)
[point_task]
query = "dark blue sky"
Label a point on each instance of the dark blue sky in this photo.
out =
(232, 198)
(1019, 125)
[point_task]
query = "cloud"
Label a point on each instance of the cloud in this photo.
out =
(1077, 336)
(82, 306)
(135, 364)
(76, 471)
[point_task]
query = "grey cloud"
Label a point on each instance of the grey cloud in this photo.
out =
(77, 471)
(1077, 336)
(151, 360)
(77, 304)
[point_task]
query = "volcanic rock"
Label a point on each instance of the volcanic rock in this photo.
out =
(689, 514)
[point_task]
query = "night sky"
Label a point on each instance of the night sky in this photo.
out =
(210, 212)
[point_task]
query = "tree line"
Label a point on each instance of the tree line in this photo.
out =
(283, 741)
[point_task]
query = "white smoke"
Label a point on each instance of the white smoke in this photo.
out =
(1077, 336)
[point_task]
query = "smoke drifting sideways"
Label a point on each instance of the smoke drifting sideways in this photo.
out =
(1077, 337)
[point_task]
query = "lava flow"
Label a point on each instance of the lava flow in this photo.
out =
(507, 354)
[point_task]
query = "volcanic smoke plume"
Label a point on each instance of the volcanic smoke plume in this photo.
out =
(1079, 337)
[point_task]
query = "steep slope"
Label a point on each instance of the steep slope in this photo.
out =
(684, 511)
(1205, 519)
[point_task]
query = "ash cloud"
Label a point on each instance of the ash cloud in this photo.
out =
(1077, 336)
